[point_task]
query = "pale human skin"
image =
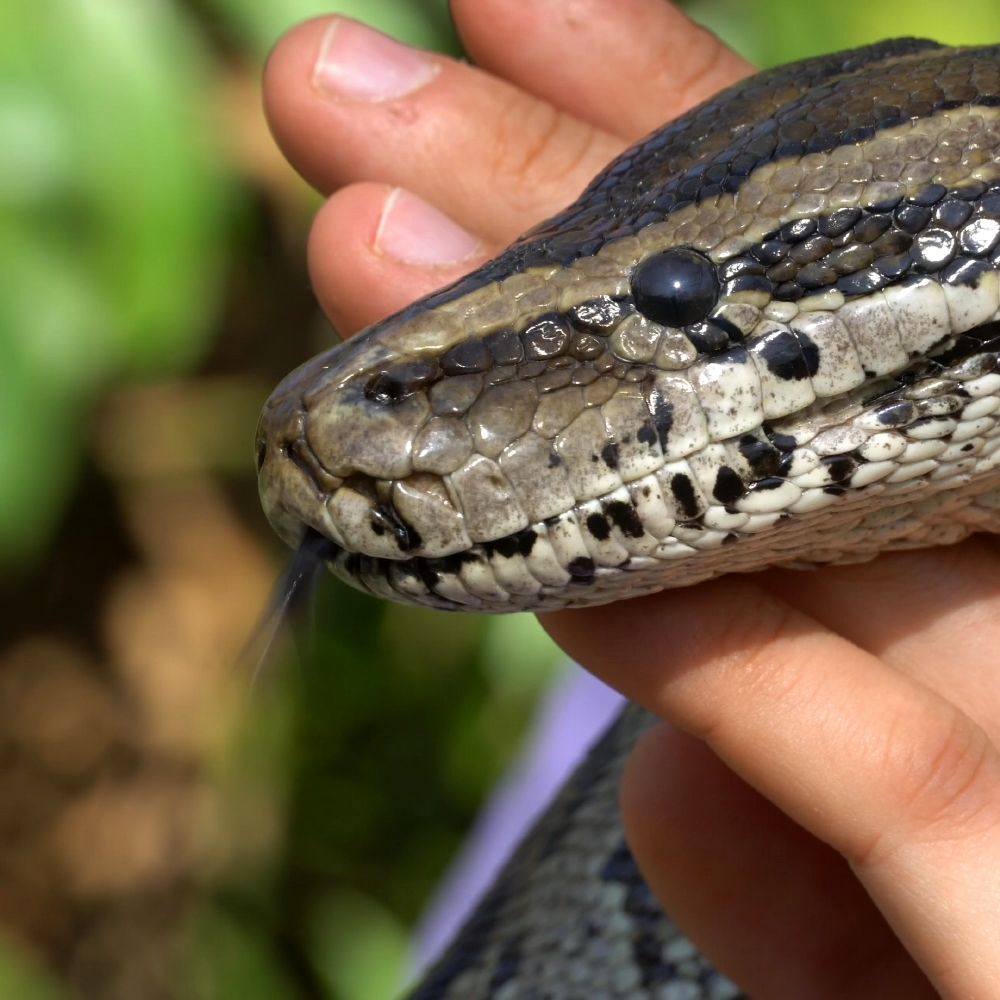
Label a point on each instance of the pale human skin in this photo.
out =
(822, 804)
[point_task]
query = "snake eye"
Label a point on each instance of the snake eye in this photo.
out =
(675, 287)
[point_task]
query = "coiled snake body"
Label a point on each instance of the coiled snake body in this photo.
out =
(767, 335)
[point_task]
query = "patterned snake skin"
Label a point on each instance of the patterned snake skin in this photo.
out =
(767, 335)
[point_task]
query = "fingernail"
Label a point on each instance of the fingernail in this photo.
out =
(414, 232)
(359, 63)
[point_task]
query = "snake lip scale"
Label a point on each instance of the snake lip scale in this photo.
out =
(769, 334)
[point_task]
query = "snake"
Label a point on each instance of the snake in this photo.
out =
(766, 335)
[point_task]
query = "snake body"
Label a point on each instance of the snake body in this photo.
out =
(769, 334)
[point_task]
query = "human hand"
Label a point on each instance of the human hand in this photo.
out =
(821, 816)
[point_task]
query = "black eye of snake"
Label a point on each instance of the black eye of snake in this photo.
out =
(675, 287)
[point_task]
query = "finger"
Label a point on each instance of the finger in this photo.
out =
(873, 763)
(347, 103)
(625, 66)
(933, 613)
(374, 249)
(774, 908)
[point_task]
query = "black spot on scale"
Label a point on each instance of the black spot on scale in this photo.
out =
(506, 546)
(761, 456)
(598, 526)
(526, 541)
(581, 569)
(385, 518)
(728, 486)
(683, 491)
(840, 468)
(646, 434)
(625, 518)
(895, 414)
(609, 455)
(554, 460)
(783, 355)
(783, 442)
(663, 415)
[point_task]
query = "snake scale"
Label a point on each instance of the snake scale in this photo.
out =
(769, 334)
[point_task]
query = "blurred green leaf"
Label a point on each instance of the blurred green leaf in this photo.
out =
(21, 978)
(424, 23)
(232, 958)
(769, 32)
(112, 219)
(359, 948)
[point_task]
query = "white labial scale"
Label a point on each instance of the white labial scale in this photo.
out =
(376, 581)
(981, 408)
(487, 500)
(871, 472)
(538, 476)
(688, 427)
(567, 539)
(404, 582)
(840, 368)
(451, 587)
(883, 446)
(512, 573)
(985, 385)
(953, 470)
(722, 520)
(701, 540)
(927, 430)
(971, 306)
(760, 522)
(635, 542)
(673, 548)
(771, 500)
(972, 429)
(920, 451)
(651, 507)
(819, 476)
(477, 575)
(872, 325)
(542, 561)
(811, 500)
(729, 390)
(581, 446)
(630, 426)
(604, 551)
(969, 447)
(779, 396)
(838, 440)
(921, 311)
(913, 470)
(440, 526)
(666, 476)
(352, 514)
(705, 465)
(803, 460)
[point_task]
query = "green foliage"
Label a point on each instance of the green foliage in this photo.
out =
(112, 215)
(769, 32)
(418, 22)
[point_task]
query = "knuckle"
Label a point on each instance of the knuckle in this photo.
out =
(943, 781)
(537, 149)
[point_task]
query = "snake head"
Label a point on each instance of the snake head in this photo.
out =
(778, 306)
